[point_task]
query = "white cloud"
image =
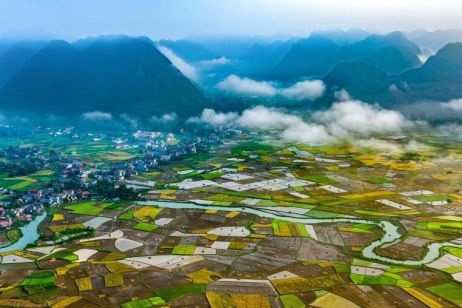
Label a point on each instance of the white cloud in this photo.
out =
(306, 133)
(390, 147)
(455, 104)
(215, 62)
(344, 120)
(165, 118)
(293, 128)
(211, 117)
(358, 118)
(97, 116)
(246, 86)
(261, 117)
(187, 69)
(305, 90)
(377, 144)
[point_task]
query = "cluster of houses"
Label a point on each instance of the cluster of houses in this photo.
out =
(76, 182)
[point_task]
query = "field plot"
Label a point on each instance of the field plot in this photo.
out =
(87, 208)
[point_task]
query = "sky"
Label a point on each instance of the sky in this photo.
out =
(175, 19)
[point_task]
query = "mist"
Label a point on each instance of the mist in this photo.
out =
(192, 18)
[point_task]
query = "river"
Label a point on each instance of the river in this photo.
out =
(391, 233)
(29, 232)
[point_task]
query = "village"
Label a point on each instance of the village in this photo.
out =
(62, 179)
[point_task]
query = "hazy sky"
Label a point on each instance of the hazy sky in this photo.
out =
(185, 18)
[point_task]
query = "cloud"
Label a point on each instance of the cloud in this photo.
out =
(131, 121)
(306, 133)
(165, 118)
(215, 62)
(455, 104)
(343, 120)
(187, 69)
(211, 117)
(261, 117)
(97, 116)
(247, 87)
(358, 118)
(377, 144)
(303, 90)
(391, 147)
(434, 111)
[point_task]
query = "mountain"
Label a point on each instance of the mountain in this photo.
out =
(117, 75)
(432, 41)
(341, 37)
(188, 50)
(258, 57)
(358, 78)
(439, 79)
(393, 53)
(316, 56)
(15, 55)
(303, 58)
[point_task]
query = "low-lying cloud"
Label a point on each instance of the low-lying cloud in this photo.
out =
(303, 90)
(261, 117)
(343, 120)
(211, 117)
(97, 116)
(455, 105)
(214, 62)
(358, 118)
(165, 118)
(187, 69)
(247, 87)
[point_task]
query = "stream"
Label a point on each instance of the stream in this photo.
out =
(391, 233)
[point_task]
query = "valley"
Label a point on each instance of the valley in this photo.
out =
(289, 223)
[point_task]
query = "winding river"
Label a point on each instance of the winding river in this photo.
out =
(391, 233)
(29, 232)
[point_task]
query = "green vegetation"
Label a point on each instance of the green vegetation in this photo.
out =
(454, 251)
(380, 180)
(171, 293)
(284, 228)
(450, 291)
(322, 214)
(87, 208)
(16, 183)
(45, 279)
(432, 198)
(359, 228)
(384, 279)
(183, 250)
(212, 175)
(66, 255)
(115, 207)
(144, 303)
(13, 235)
(142, 226)
(452, 227)
(251, 146)
(291, 301)
(128, 215)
